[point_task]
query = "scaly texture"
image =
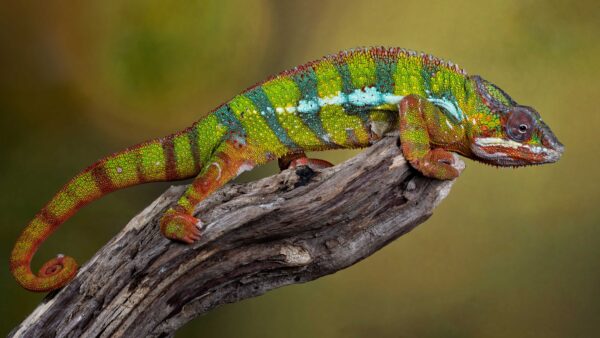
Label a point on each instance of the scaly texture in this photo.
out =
(348, 100)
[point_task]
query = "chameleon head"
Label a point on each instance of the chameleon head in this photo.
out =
(515, 135)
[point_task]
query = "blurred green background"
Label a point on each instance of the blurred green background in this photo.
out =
(510, 253)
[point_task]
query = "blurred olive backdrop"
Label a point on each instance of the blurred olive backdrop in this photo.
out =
(510, 253)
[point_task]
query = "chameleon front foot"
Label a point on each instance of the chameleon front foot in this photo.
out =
(180, 226)
(437, 163)
(420, 132)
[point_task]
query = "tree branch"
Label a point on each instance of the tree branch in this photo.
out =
(289, 228)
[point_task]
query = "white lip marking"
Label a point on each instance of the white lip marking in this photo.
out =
(536, 149)
(494, 141)
(449, 125)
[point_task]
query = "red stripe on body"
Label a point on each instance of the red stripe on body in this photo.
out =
(102, 179)
(170, 161)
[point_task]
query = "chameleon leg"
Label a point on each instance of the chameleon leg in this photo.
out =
(178, 223)
(297, 159)
(419, 131)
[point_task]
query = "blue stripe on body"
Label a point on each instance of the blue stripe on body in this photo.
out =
(426, 73)
(352, 107)
(347, 86)
(267, 111)
(308, 107)
(235, 130)
(385, 75)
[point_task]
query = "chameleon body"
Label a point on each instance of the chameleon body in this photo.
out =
(347, 100)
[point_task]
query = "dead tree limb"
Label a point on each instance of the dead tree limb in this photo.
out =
(289, 228)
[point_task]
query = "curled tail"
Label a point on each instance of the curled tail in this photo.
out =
(170, 158)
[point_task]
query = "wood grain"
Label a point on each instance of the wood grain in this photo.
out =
(289, 228)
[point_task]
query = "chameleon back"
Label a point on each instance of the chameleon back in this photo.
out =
(341, 101)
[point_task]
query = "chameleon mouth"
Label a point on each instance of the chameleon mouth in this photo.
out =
(501, 152)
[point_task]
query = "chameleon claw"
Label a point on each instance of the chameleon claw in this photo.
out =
(191, 238)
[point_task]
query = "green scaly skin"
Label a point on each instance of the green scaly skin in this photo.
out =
(348, 100)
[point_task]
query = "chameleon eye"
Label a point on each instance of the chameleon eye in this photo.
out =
(519, 125)
(523, 128)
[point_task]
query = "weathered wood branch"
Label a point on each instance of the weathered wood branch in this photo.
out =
(289, 228)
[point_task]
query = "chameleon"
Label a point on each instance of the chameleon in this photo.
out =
(346, 100)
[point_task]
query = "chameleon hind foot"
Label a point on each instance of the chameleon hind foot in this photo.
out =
(180, 226)
(293, 161)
